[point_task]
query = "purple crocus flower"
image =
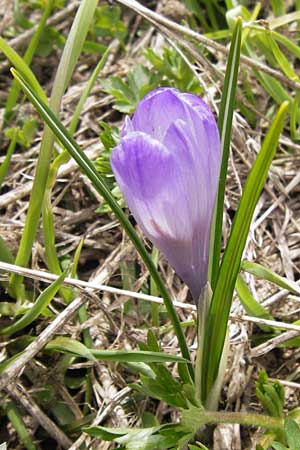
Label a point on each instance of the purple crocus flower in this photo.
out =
(167, 166)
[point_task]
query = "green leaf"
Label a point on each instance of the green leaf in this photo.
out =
(38, 307)
(281, 59)
(23, 68)
(270, 394)
(278, 446)
(252, 307)
(68, 345)
(292, 433)
(162, 437)
(266, 274)
(222, 296)
(67, 63)
(225, 126)
(135, 356)
(17, 422)
(89, 169)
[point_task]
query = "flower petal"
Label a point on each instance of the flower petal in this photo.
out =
(168, 171)
(200, 198)
(155, 188)
(156, 112)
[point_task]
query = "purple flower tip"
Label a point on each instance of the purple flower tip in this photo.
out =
(167, 166)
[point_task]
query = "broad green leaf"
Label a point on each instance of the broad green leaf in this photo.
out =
(38, 307)
(278, 446)
(292, 433)
(266, 274)
(225, 126)
(90, 171)
(159, 438)
(222, 296)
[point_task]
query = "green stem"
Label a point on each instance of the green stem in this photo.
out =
(259, 420)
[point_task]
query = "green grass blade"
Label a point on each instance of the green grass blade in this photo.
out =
(17, 422)
(90, 171)
(222, 296)
(65, 344)
(15, 89)
(87, 91)
(68, 345)
(5, 165)
(262, 272)
(48, 219)
(252, 307)
(39, 306)
(5, 253)
(65, 69)
(23, 68)
(225, 125)
(281, 59)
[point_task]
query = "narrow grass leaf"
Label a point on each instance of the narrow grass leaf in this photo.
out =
(262, 272)
(90, 171)
(63, 75)
(5, 252)
(47, 213)
(252, 307)
(68, 345)
(281, 59)
(65, 344)
(5, 164)
(23, 68)
(222, 296)
(13, 414)
(40, 304)
(87, 91)
(225, 126)
(31, 49)
(284, 20)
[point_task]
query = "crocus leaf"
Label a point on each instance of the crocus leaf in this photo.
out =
(225, 126)
(222, 296)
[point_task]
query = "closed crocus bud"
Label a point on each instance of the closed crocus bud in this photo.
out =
(167, 166)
